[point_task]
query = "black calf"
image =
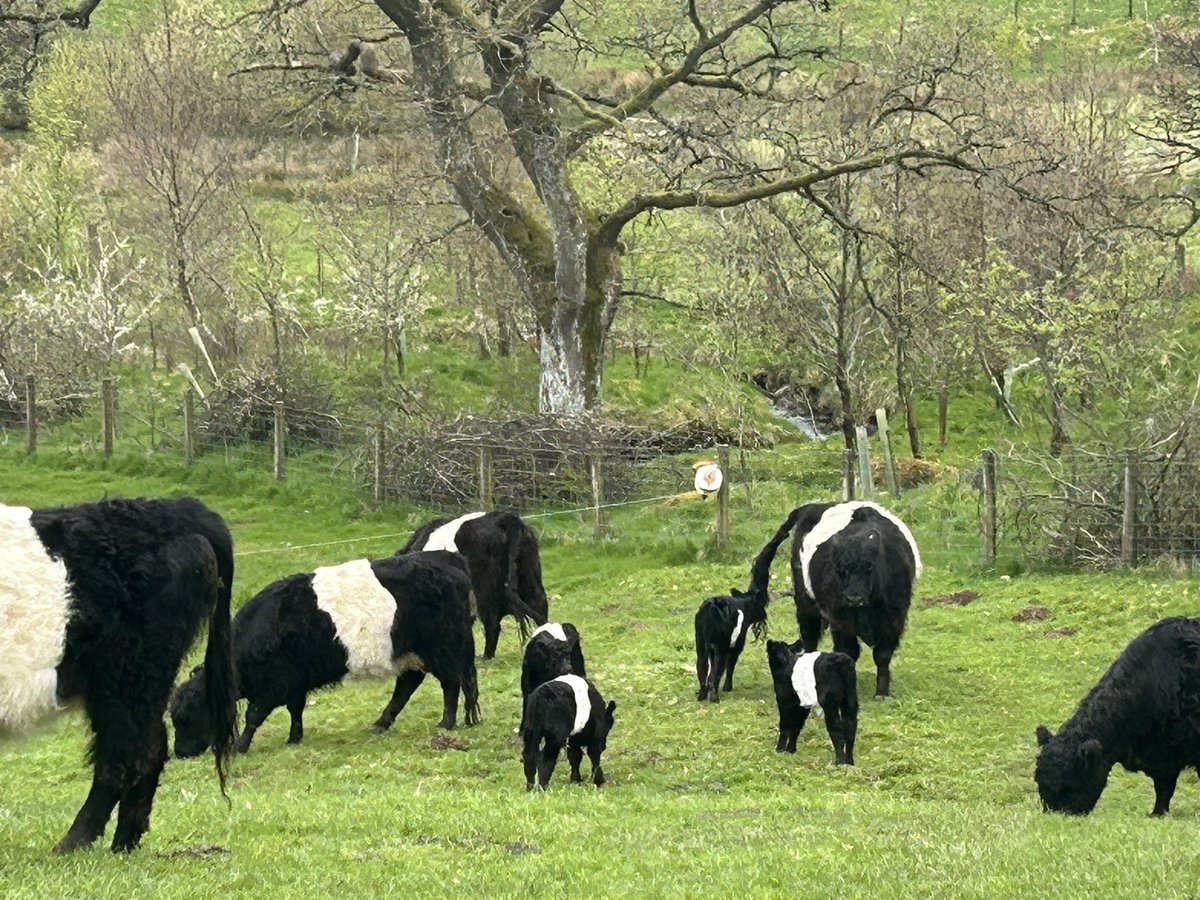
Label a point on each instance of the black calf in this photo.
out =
(567, 710)
(822, 680)
(722, 622)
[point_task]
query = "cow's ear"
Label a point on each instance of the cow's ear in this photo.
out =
(612, 705)
(1043, 735)
(734, 592)
(1090, 750)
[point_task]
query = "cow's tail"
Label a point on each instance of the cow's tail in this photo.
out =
(220, 680)
(514, 534)
(470, 683)
(760, 571)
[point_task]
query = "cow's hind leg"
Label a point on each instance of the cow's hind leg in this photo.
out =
(548, 760)
(406, 684)
(702, 672)
(94, 814)
(720, 658)
(256, 714)
(133, 814)
(450, 691)
(491, 634)
(843, 742)
(733, 659)
(1164, 789)
(575, 758)
(295, 708)
(530, 758)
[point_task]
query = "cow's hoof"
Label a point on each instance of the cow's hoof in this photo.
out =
(72, 842)
(379, 728)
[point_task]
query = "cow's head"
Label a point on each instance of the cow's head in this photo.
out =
(189, 715)
(1071, 772)
(858, 560)
(779, 659)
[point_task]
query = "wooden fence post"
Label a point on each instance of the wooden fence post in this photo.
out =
(988, 519)
(279, 434)
(30, 414)
(108, 409)
(1129, 513)
(723, 497)
(189, 427)
(377, 484)
(486, 478)
(597, 468)
(864, 462)
(885, 444)
(848, 457)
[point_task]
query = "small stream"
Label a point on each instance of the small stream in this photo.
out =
(787, 411)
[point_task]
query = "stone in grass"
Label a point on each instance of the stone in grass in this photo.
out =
(960, 598)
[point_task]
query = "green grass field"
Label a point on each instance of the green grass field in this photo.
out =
(942, 800)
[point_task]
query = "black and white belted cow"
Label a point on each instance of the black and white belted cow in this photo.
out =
(99, 602)
(501, 551)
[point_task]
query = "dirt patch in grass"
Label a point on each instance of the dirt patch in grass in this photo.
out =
(609, 607)
(519, 847)
(447, 742)
(1031, 614)
(1065, 631)
(637, 626)
(960, 598)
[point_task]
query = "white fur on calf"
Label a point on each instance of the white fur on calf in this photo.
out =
(583, 705)
(443, 536)
(551, 628)
(362, 610)
(35, 602)
(737, 628)
(804, 679)
(834, 520)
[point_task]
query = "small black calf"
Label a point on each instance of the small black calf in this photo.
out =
(822, 680)
(553, 650)
(722, 622)
(566, 710)
(398, 616)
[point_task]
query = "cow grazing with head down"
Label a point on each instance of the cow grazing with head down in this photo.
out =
(501, 551)
(821, 681)
(98, 604)
(567, 710)
(398, 617)
(721, 623)
(853, 568)
(1144, 713)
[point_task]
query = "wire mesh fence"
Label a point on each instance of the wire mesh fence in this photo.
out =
(1095, 510)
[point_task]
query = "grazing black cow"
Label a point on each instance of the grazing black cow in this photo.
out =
(1144, 713)
(98, 604)
(553, 650)
(821, 681)
(400, 617)
(853, 567)
(565, 710)
(722, 622)
(506, 571)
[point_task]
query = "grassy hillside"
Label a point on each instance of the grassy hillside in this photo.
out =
(941, 801)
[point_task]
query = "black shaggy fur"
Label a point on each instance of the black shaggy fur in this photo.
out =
(546, 657)
(145, 575)
(717, 651)
(506, 571)
(550, 715)
(285, 646)
(1144, 713)
(862, 578)
(837, 695)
